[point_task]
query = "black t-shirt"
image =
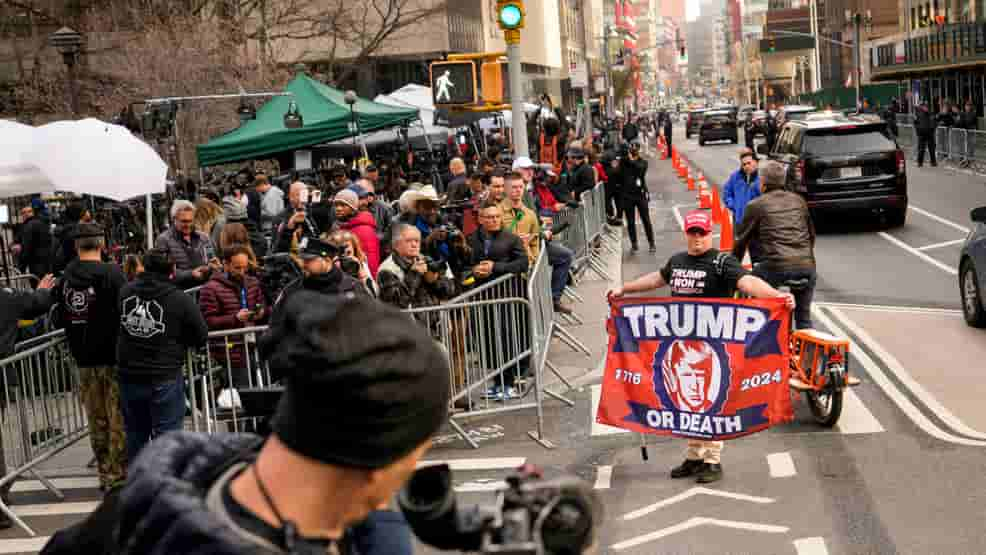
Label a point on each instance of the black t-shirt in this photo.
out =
(714, 274)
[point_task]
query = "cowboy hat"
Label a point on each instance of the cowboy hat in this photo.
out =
(411, 197)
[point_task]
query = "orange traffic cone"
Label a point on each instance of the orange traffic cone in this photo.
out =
(664, 152)
(726, 234)
(704, 197)
(691, 180)
(716, 206)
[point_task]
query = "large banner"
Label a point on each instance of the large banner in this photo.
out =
(699, 368)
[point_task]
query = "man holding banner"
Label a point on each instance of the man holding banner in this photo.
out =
(707, 371)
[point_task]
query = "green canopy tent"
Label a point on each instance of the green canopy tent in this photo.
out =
(326, 117)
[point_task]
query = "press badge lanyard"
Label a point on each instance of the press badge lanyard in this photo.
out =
(293, 541)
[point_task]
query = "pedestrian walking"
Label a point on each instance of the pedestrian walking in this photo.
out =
(87, 297)
(631, 173)
(710, 274)
(158, 324)
(742, 186)
(969, 121)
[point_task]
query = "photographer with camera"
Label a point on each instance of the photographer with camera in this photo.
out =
(440, 240)
(352, 259)
(323, 271)
(308, 488)
(408, 279)
(296, 223)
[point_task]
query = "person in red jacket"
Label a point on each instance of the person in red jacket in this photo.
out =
(359, 223)
(229, 300)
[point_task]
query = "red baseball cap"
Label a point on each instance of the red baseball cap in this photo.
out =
(698, 219)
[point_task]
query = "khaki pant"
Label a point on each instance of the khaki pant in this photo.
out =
(708, 451)
(101, 397)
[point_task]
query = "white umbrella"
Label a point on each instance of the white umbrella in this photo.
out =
(97, 158)
(18, 174)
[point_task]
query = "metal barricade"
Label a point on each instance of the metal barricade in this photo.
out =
(941, 143)
(957, 144)
(228, 362)
(42, 413)
(194, 293)
(503, 287)
(22, 282)
(907, 139)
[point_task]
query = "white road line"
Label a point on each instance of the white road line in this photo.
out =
(23, 545)
(781, 465)
(888, 308)
(918, 253)
(811, 546)
(49, 509)
(476, 486)
(494, 463)
(856, 418)
(695, 522)
(939, 219)
(902, 402)
(908, 381)
(940, 245)
(596, 428)
(84, 482)
(692, 493)
(604, 477)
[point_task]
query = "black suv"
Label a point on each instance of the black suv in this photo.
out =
(694, 122)
(844, 163)
(718, 125)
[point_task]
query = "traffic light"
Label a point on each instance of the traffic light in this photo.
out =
(510, 14)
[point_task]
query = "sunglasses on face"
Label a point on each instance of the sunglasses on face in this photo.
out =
(698, 232)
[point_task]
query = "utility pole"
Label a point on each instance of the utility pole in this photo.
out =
(857, 20)
(816, 78)
(587, 89)
(607, 73)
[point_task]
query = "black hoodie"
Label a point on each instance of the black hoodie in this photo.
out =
(88, 298)
(158, 322)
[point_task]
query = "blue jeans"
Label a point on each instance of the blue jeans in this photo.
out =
(802, 297)
(560, 259)
(383, 533)
(150, 410)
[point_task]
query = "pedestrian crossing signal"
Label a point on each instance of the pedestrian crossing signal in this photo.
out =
(453, 83)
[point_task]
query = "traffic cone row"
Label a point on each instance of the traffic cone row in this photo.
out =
(704, 195)
(708, 199)
(691, 180)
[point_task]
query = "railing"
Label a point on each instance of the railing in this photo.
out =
(954, 146)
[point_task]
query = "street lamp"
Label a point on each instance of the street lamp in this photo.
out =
(69, 44)
(857, 20)
(351, 98)
(246, 111)
(292, 118)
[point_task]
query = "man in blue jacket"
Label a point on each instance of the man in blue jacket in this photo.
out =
(742, 187)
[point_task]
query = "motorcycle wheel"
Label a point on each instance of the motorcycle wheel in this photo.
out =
(826, 406)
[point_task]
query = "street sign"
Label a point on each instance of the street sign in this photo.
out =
(453, 83)
(579, 75)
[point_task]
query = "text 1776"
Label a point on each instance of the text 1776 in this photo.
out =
(627, 377)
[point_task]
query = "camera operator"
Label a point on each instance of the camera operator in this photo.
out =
(441, 241)
(308, 488)
(193, 253)
(296, 222)
(407, 279)
(581, 178)
(457, 189)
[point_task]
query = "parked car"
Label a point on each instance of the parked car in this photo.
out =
(793, 113)
(718, 125)
(694, 122)
(972, 271)
(844, 163)
(744, 113)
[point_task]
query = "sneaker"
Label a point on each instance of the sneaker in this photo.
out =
(561, 308)
(688, 468)
(493, 393)
(709, 473)
(510, 393)
(634, 248)
(652, 248)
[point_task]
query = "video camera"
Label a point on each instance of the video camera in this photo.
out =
(435, 266)
(531, 516)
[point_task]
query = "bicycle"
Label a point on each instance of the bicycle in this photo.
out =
(819, 365)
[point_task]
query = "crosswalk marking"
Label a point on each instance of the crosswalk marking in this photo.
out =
(85, 482)
(23, 545)
(49, 509)
(604, 477)
(781, 465)
(492, 463)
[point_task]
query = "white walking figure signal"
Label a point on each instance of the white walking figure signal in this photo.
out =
(443, 84)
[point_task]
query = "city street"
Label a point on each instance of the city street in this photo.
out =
(901, 473)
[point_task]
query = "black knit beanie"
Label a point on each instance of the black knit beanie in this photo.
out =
(365, 383)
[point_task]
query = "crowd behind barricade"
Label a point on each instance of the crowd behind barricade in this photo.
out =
(229, 261)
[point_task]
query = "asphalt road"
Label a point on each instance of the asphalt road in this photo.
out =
(903, 471)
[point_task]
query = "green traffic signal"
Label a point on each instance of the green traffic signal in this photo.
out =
(511, 16)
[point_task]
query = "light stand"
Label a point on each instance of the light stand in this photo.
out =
(69, 44)
(351, 98)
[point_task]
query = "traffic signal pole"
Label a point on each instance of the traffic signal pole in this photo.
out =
(516, 93)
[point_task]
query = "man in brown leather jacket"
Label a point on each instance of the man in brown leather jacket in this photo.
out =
(780, 223)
